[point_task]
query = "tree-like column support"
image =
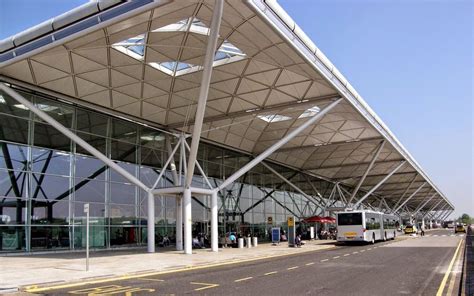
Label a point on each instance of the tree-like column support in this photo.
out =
(188, 238)
(214, 224)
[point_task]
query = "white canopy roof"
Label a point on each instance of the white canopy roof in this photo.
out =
(268, 78)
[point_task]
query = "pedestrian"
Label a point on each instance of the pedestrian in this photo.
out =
(422, 230)
(298, 240)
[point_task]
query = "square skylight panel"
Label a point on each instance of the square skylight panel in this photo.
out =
(273, 117)
(135, 48)
(310, 112)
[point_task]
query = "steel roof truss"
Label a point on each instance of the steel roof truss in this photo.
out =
(378, 185)
(362, 179)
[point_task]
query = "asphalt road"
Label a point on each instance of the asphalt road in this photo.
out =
(408, 266)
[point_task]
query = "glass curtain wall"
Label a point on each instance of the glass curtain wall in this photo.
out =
(45, 180)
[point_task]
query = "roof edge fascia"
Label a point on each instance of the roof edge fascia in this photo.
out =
(94, 22)
(274, 15)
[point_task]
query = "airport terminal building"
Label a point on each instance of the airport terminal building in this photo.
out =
(172, 118)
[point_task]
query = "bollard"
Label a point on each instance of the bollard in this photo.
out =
(241, 243)
(254, 241)
(249, 242)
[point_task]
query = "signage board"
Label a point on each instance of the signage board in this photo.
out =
(291, 221)
(291, 231)
(276, 235)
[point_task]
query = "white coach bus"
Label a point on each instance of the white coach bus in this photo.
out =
(368, 226)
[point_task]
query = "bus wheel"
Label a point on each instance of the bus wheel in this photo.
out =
(373, 239)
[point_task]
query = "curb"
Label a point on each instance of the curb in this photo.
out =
(464, 280)
(41, 287)
(8, 290)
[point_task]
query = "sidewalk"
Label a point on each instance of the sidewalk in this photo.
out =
(44, 269)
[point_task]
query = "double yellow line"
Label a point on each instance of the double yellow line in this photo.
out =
(448, 272)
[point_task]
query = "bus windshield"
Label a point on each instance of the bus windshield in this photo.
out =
(349, 219)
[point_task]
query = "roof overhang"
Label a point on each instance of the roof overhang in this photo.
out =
(279, 80)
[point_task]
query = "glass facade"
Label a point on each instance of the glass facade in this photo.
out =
(45, 180)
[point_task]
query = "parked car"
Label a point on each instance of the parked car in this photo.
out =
(409, 229)
(459, 228)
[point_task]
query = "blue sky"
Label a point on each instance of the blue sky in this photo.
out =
(412, 61)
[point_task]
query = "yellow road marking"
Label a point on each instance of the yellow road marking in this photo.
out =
(207, 286)
(36, 288)
(291, 268)
(310, 263)
(446, 275)
(346, 255)
(244, 279)
(335, 257)
(111, 290)
(154, 280)
(270, 273)
(324, 260)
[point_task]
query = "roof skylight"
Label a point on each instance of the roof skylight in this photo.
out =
(175, 68)
(135, 48)
(310, 112)
(273, 117)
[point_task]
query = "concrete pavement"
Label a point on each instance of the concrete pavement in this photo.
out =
(56, 268)
(412, 266)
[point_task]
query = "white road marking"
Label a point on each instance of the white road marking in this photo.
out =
(335, 257)
(346, 255)
(244, 279)
(355, 252)
(324, 260)
(310, 263)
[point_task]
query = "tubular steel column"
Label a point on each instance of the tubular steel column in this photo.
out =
(75, 138)
(432, 208)
(151, 223)
(204, 90)
(179, 223)
(310, 198)
(424, 204)
(214, 224)
(410, 197)
(362, 179)
(179, 198)
(378, 185)
(277, 145)
(188, 239)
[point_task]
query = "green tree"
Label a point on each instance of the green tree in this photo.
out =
(465, 218)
